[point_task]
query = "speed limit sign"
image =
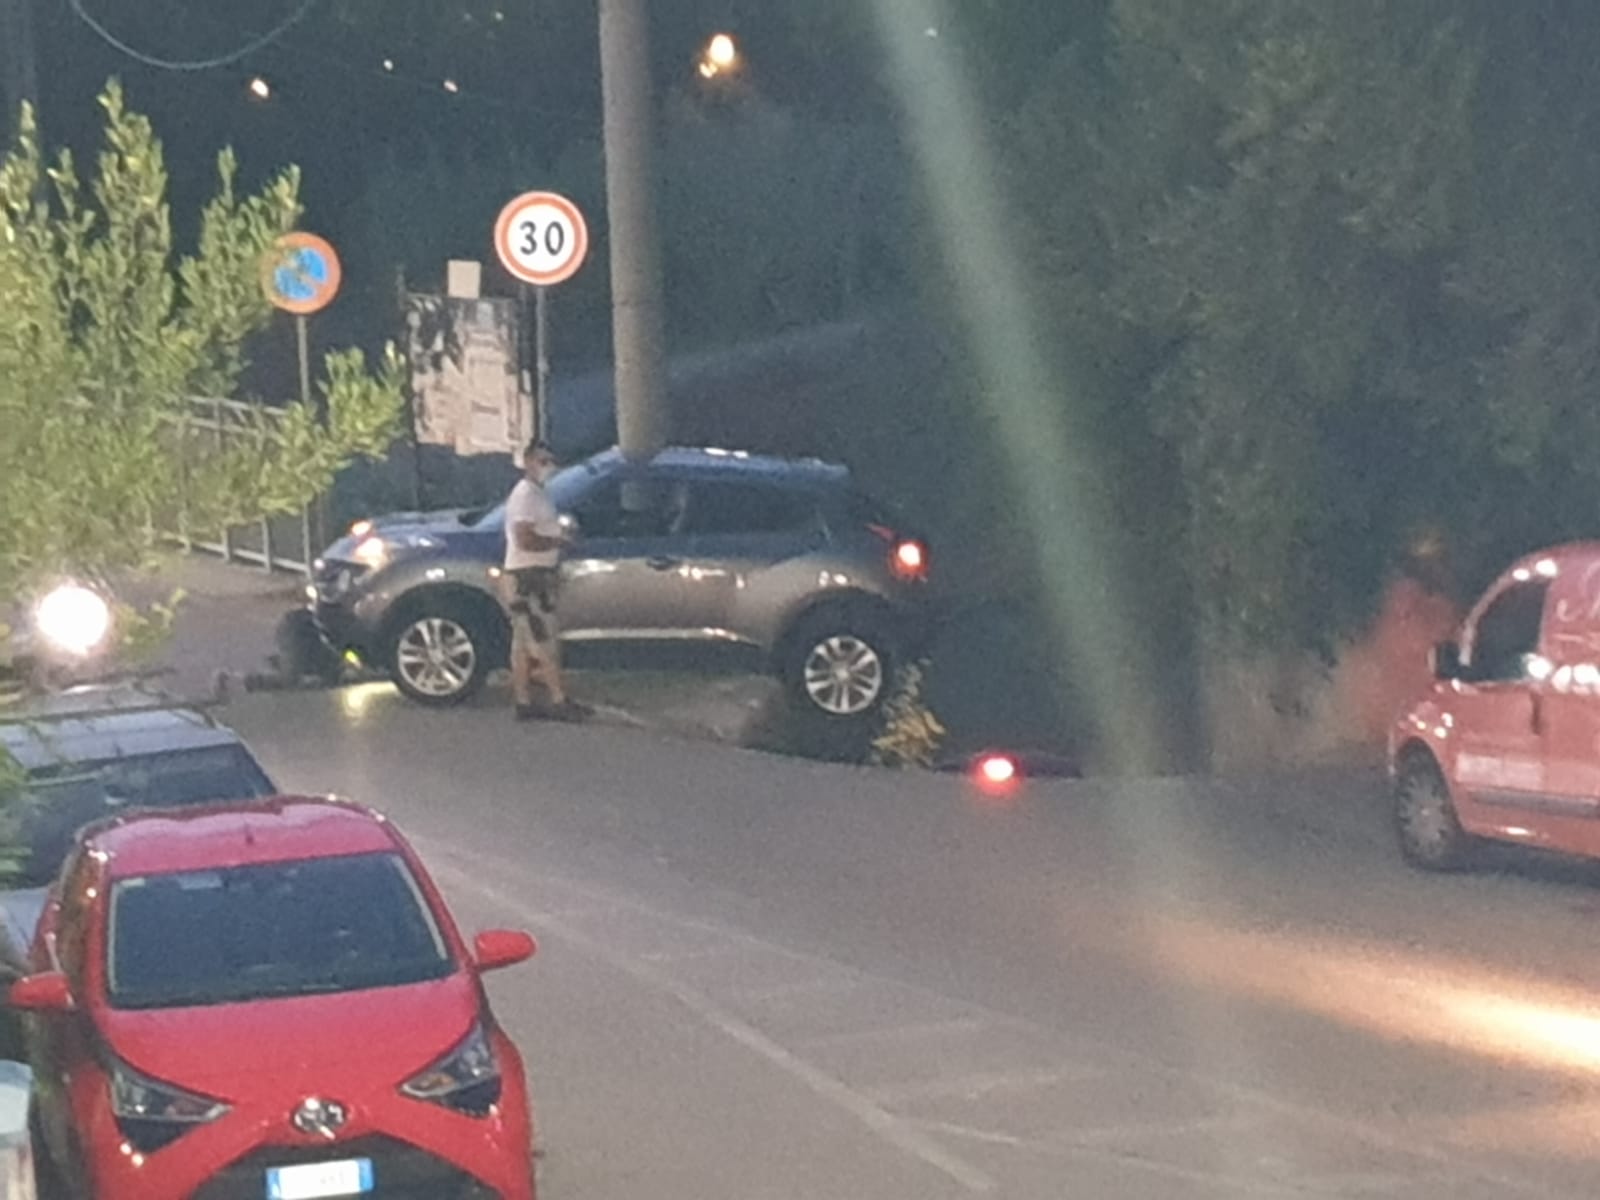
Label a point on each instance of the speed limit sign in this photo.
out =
(542, 238)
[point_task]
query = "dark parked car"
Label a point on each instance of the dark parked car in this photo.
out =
(782, 557)
(93, 752)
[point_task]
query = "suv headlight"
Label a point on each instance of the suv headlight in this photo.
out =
(467, 1079)
(152, 1114)
(377, 551)
(372, 552)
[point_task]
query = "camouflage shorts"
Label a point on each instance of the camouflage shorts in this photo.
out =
(532, 609)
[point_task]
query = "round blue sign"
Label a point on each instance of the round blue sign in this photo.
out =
(302, 274)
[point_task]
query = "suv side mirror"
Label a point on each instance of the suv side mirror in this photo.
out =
(48, 992)
(1447, 661)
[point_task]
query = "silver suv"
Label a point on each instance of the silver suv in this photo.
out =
(708, 547)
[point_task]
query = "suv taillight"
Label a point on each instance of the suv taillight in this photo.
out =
(908, 556)
(909, 560)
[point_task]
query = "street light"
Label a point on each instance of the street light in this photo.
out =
(720, 57)
(723, 52)
(73, 620)
(260, 89)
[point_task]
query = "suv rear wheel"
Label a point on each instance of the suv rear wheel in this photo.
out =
(441, 654)
(839, 662)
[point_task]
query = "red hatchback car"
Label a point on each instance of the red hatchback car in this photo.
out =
(270, 1002)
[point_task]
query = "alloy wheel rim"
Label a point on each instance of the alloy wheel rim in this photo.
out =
(437, 657)
(844, 675)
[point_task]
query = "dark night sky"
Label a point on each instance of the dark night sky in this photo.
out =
(528, 79)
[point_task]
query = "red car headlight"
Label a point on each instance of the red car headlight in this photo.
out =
(151, 1114)
(467, 1079)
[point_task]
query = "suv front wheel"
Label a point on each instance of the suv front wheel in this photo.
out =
(840, 663)
(441, 655)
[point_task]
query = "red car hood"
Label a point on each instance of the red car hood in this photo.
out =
(376, 1038)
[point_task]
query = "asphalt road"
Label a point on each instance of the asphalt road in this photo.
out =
(762, 978)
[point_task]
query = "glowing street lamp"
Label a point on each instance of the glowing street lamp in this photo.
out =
(723, 52)
(720, 57)
(74, 620)
(260, 89)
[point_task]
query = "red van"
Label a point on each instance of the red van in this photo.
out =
(1505, 744)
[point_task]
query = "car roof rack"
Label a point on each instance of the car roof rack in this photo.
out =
(124, 693)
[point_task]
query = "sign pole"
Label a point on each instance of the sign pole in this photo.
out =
(541, 325)
(302, 337)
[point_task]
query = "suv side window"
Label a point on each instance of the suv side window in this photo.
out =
(743, 508)
(1508, 633)
(602, 513)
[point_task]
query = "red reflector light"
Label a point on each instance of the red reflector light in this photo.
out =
(998, 776)
(997, 770)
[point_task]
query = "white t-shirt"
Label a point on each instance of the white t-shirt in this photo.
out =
(528, 505)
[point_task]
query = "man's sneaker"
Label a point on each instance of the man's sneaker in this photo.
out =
(571, 711)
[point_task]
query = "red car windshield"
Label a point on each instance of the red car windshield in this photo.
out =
(274, 930)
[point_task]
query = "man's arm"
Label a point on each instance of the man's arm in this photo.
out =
(531, 541)
(537, 528)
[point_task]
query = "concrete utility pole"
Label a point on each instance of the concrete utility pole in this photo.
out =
(19, 63)
(643, 421)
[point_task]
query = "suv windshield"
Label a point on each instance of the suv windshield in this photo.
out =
(270, 930)
(564, 489)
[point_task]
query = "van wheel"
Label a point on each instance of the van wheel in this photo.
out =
(1430, 834)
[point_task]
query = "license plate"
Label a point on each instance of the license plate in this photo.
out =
(320, 1181)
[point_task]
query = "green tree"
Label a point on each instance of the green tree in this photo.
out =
(109, 332)
(1324, 273)
(1264, 201)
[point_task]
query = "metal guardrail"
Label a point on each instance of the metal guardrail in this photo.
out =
(17, 1180)
(286, 543)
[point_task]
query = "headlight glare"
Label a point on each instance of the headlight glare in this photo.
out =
(74, 619)
(372, 552)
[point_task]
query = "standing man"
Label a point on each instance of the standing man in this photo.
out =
(534, 541)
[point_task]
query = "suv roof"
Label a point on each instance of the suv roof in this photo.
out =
(810, 471)
(97, 724)
(279, 829)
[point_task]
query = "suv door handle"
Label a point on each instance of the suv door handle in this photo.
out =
(660, 562)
